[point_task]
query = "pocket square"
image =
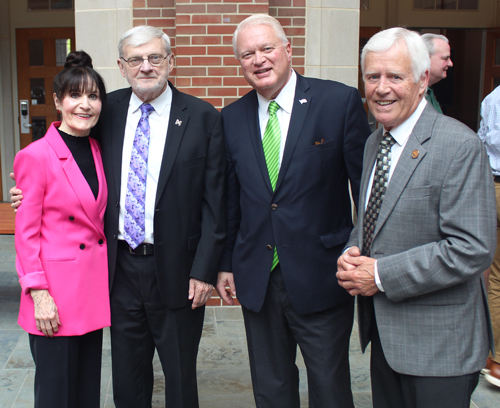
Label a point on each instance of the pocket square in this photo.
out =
(317, 143)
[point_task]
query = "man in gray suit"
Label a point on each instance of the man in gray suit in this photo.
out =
(426, 232)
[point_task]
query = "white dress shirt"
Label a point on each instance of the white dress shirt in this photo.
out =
(489, 131)
(285, 101)
(401, 134)
(158, 125)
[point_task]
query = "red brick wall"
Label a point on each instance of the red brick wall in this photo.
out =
(201, 33)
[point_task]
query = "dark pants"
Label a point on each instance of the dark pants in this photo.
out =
(141, 323)
(393, 390)
(323, 337)
(68, 370)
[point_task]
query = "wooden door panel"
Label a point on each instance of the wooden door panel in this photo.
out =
(491, 61)
(41, 115)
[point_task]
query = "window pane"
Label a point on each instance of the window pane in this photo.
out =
(449, 4)
(63, 48)
(38, 4)
(39, 127)
(36, 53)
(61, 4)
(37, 91)
(468, 4)
(496, 82)
(424, 4)
(497, 52)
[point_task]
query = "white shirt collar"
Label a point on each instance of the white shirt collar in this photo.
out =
(284, 99)
(402, 132)
(159, 104)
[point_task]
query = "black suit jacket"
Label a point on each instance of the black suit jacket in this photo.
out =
(308, 217)
(189, 220)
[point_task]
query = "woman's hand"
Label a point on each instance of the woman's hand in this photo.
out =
(46, 316)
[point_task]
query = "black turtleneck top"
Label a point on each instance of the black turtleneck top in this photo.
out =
(82, 153)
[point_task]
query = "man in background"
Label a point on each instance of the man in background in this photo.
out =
(439, 52)
(489, 132)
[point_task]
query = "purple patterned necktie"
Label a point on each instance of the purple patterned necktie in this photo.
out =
(379, 186)
(136, 185)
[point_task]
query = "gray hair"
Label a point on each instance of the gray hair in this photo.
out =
(140, 35)
(255, 20)
(429, 41)
(415, 48)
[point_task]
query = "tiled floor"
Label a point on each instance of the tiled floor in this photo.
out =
(223, 373)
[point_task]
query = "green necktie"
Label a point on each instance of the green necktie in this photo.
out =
(271, 143)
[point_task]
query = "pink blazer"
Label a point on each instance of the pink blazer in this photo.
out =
(60, 240)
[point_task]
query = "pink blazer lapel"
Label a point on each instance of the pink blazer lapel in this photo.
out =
(102, 197)
(94, 209)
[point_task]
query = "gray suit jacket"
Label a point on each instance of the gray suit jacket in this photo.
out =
(434, 237)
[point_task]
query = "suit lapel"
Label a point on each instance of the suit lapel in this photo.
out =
(102, 197)
(177, 125)
(297, 120)
(76, 179)
(407, 164)
(118, 118)
(253, 126)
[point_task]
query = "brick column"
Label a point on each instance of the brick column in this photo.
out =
(201, 33)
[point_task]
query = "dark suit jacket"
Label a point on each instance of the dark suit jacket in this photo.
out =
(189, 220)
(308, 217)
(434, 237)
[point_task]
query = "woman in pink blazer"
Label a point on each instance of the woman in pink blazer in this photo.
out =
(61, 247)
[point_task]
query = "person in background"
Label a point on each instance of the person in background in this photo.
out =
(489, 132)
(60, 244)
(439, 52)
(426, 233)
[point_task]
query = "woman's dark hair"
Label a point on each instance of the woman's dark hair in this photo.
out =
(78, 75)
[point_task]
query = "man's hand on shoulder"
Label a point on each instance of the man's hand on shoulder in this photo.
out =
(225, 287)
(15, 195)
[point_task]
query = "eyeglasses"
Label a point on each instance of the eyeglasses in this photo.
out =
(155, 60)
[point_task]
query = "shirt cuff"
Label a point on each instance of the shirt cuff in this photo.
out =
(377, 277)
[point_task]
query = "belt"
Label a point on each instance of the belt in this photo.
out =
(143, 249)
(497, 179)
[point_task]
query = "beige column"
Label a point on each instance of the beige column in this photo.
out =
(7, 116)
(332, 40)
(98, 27)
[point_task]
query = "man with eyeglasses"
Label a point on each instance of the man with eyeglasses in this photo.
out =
(159, 287)
(164, 158)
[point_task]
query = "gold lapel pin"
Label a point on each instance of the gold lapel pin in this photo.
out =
(414, 154)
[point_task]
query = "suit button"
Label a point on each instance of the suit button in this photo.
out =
(82, 246)
(274, 207)
(269, 247)
(71, 218)
(114, 237)
(117, 204)
(101, 242)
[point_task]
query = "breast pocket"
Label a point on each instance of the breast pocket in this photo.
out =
(316, 148)
(415, 193)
